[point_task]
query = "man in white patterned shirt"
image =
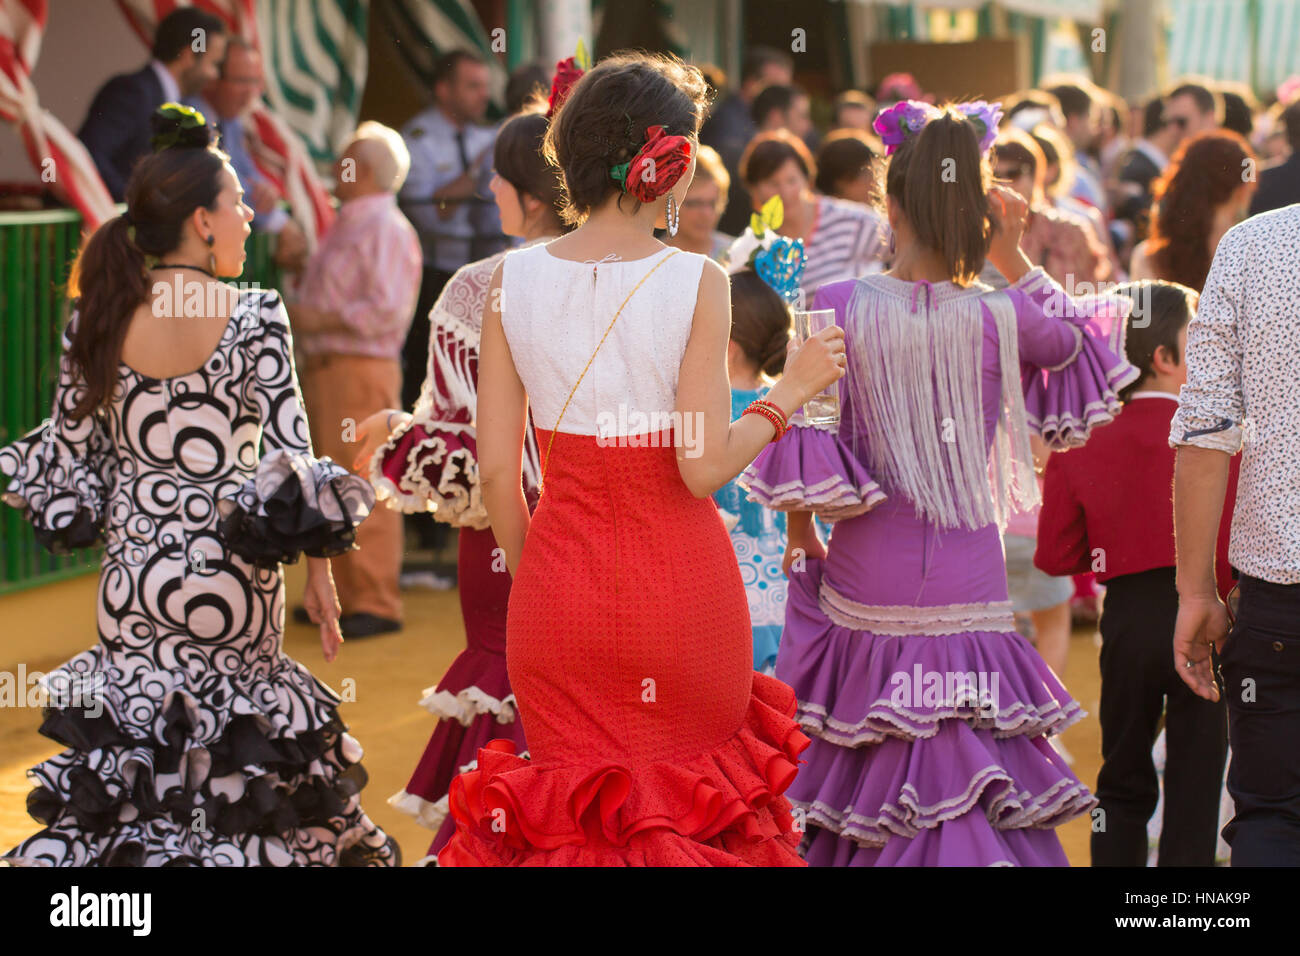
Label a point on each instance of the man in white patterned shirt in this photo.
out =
(1243, 392)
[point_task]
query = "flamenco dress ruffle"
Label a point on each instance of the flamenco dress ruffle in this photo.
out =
(779, 477)
(208, 761)
(1064, 404)
(721, 808)
(963, 778)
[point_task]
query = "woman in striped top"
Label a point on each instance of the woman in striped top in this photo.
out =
(842, 240)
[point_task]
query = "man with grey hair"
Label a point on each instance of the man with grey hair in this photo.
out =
(226, 102)
(357, 298)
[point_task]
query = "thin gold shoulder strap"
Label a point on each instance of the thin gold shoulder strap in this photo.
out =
(547, 460)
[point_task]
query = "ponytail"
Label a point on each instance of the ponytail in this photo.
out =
(108, 280)
(940, 180)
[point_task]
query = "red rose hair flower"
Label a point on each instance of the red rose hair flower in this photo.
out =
(567, 73)
(658, 165)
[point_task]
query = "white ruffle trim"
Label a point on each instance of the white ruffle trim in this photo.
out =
(912, 621)
(470, 703)
(447, 501)
(1008, 810)
(883, 720)
(428, 815)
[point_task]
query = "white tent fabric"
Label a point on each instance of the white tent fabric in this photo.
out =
(1213, 38)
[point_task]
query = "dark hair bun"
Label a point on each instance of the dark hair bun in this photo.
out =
(179, 127)
(604, 120)
(760, 322)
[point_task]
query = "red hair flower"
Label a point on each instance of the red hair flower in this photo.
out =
(658, 165)
(567, 73)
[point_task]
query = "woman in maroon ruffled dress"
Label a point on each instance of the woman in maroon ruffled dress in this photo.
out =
(427, 463)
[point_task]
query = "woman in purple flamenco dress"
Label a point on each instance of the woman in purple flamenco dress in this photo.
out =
(929, 714)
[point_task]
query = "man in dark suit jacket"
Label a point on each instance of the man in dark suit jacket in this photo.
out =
(1279, 185)
(1141, 165)
(188, 47)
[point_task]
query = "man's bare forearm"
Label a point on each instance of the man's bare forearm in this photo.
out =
(1200, 482)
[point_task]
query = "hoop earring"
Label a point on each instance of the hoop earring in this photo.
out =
(672, 215)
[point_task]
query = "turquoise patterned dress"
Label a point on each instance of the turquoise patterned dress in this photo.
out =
(758, 538)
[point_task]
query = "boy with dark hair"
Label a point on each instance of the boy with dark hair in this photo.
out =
(1107, 508)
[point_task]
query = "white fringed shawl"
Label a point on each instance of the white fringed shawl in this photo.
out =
(916, 390)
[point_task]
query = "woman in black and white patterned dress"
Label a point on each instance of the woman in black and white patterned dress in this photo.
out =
(178, 440)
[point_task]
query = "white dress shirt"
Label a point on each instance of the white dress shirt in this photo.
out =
(171, 89)
(436, 161)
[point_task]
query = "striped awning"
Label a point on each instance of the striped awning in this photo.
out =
(1085, 10)
(1256, 42)
(61, 159)
(315, 57)
(426, 29)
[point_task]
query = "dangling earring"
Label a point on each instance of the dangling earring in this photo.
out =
(671, 215)
(212, 258)
(891, 242)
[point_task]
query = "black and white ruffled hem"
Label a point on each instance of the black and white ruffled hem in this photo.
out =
(205, 770)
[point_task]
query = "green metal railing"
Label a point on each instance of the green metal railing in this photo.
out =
(36, 252)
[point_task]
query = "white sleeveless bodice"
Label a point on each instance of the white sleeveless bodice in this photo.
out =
(554, 313)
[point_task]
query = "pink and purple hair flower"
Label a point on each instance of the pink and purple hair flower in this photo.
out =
(908, 117)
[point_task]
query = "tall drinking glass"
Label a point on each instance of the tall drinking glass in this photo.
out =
(823, 408)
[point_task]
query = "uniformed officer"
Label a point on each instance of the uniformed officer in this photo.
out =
(446, 195)
(447, 199)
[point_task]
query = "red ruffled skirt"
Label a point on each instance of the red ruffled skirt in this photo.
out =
(652, 740)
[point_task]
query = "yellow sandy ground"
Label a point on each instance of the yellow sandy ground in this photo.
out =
(45, 626)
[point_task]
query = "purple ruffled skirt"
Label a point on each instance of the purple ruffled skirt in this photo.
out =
(929, 719)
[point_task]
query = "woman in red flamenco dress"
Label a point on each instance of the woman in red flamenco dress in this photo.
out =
(652, 741)
(426, 463)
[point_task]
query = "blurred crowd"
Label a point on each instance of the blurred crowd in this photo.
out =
(1116, 191)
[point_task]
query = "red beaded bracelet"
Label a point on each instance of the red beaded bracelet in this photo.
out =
(775, 418)
(785, 419)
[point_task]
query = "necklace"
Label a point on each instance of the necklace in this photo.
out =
(181, 265)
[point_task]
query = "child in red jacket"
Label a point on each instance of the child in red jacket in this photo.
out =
(1108, 508)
